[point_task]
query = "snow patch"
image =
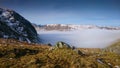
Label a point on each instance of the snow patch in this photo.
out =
(5, 36)
(28, 40)
(6, 14)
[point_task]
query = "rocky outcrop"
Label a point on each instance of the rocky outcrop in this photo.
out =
(13, 25)
(61, 45)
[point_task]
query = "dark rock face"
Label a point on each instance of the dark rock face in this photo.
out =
(13, 25)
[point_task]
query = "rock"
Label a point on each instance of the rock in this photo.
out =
(60, 45)
(73, 47)
(117, 66)
(110, 65)
(100, 60)
(79, 52)
(51, 48)
(49, 44)
(13, 25)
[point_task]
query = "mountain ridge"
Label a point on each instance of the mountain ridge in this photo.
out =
(68, 27)
(13, 25)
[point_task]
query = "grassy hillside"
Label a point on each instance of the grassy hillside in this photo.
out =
(115, 47)
(15, 54)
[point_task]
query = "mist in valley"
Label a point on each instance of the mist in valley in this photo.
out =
(85, 38)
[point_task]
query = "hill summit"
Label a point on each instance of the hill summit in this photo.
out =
(13, 25)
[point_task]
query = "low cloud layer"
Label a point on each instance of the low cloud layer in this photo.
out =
(82, 38)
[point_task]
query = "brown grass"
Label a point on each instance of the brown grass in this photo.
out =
(15, 54)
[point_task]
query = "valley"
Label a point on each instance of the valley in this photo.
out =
(84, 38)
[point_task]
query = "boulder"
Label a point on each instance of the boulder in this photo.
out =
(79, 52)
(60, 45)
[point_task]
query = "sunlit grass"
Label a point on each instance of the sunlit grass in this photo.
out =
(24, 55)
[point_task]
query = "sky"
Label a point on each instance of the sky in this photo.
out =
(88, 12)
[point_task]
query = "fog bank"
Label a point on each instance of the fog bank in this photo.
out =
(86, 38)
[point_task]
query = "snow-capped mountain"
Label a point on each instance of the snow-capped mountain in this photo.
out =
(67, 27)
(13, 25)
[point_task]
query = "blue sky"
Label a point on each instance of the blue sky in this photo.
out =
(97, 12)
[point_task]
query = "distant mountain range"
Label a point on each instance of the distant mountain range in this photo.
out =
(68, 27)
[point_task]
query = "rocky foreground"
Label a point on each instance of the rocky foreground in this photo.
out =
(15, 54)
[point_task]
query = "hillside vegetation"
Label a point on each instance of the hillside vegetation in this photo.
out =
(115, 47)
(15, 54)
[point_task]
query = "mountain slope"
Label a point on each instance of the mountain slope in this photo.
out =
(13, 25)
(14, 54)
(115, 47)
